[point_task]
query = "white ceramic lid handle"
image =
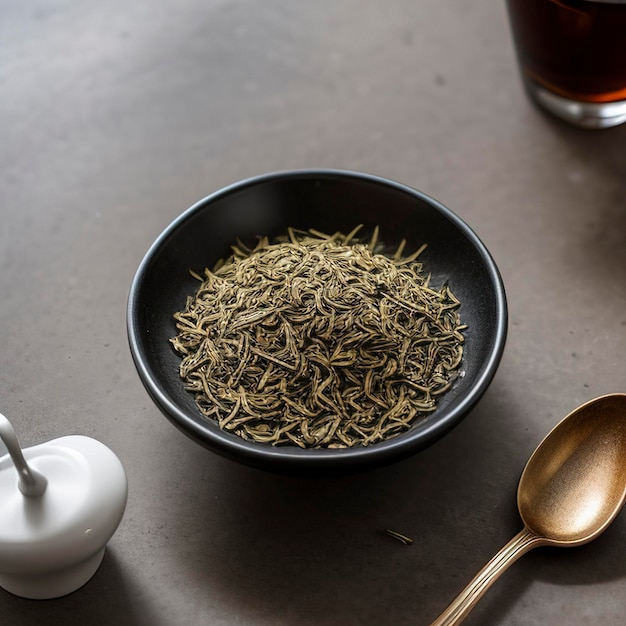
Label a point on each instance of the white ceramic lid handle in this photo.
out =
(30, 482)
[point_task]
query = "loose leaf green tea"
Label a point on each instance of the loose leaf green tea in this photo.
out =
(319, 341)
(407, 541)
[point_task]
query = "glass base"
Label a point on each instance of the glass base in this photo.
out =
(591, 115)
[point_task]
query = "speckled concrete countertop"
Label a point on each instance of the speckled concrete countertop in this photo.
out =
(116, 116)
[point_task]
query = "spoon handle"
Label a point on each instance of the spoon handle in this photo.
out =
(460, 607)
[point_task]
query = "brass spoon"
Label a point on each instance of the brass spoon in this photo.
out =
(571, 489)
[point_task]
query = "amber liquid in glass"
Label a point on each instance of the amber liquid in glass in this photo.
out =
(574, 48)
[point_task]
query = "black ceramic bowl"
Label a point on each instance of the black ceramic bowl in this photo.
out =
(325, 200)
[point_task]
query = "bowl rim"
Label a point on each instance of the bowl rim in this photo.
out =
(288, 457)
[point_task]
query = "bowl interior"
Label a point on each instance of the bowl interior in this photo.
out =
(326, 201)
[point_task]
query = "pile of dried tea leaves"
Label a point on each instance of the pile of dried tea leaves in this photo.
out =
(318, 341)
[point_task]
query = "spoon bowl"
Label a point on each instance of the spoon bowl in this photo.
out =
(574, 484)
(571, 489)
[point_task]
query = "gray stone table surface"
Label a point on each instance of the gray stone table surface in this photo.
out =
(116, 116)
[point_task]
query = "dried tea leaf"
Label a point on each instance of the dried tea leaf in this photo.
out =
(318, 340)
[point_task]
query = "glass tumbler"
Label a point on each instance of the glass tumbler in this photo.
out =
(572, 56)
